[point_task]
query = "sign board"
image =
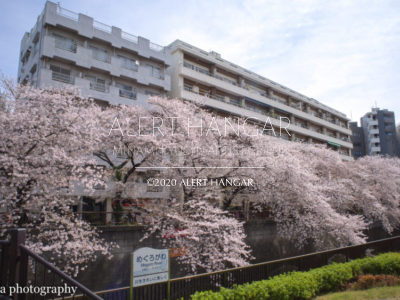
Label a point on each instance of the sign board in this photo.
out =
(148, 261)
(149, 279)
(149, 266)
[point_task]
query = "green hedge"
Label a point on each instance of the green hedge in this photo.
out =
(305, 285)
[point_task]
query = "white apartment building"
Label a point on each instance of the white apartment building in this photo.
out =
(70, 49)
(65, 48)
(230, 89)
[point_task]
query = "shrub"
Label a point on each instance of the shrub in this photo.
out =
(305, 285)
(371, 281)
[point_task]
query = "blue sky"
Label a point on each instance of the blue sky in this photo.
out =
(345, 54)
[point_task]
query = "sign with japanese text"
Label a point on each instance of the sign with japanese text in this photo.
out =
(150, 266)
(148, 279)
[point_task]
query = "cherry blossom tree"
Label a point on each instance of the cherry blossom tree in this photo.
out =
(313, 196)
(53, 139)
(47, 138)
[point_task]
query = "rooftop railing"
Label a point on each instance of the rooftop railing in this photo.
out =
(101, 26)
(67, 13)
(106, 28)
(156, 47)
(129, 37)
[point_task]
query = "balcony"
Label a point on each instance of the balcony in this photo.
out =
(127, 94)
(373, 123)
(375, 149)
(374, 131)
(375, 140)
(244, 111)
(196, 68)
(100, 87)
(108, 93)
(193, 72)
(57, 76)
(84, 57)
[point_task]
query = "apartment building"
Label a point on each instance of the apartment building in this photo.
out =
(379, 130)
(230, 89)
(65, 48)
(357, 138)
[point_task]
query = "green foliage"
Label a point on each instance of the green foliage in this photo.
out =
(306, 285)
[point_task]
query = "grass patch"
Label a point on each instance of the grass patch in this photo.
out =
(375, 293)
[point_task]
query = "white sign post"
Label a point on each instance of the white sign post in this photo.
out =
(149, 265)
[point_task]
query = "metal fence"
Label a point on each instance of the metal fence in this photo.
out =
(28, 273)
(20, 265)
(186, 286)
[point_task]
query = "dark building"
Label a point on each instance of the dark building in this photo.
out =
(357, 138)
(377, 134)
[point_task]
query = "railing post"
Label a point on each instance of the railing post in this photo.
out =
(17, 239)
(5, 263)
(23, 272)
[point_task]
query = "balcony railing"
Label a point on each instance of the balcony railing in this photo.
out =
(62, 77)
(231, 81)
(106, 28)
(127, 94)
(101, 26)
(129, 37)
(101, 87)
(204, 71)
(260, 111)
(156, 47)
(188, 88)
(67, 13)
(196, 68)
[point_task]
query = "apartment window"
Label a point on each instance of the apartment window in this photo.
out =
(151, 94)
(35, 47)
(204, 92)
(156, 72)
(188, 87)
(128, 63)
(64, 43)
(219, 97)
(126, 91)
(97, 84)
(25, 58)
(61, 74)
(235, 101)
(100, 54)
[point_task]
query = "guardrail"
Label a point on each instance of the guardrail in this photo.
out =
(19, 266)
(185, 286)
